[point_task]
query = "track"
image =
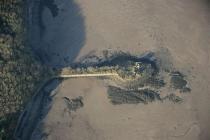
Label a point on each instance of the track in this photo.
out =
(86, 75)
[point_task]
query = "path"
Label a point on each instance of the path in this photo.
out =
(87, 75)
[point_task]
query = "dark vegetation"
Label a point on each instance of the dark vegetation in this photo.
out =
(141, 74)
(20, 73)
(149, 81)
(174, 98)
(178, 82)
(8, 123)
(146, 87)
(5, 27)
(126, 65)
(74, 104)
(123, 96)
(122, 60)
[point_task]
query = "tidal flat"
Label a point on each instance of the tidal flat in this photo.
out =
(177, 33)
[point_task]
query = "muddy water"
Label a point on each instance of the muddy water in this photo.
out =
(57, 31)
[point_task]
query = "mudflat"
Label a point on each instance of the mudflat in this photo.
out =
(81, 109)
(99, 119)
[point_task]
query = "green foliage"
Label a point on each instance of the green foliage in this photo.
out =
(7, 125)
(20, 73)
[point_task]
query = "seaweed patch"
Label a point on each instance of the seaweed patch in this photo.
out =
(123, 96)
(74, 104)
(142, 77)
(178, 82)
